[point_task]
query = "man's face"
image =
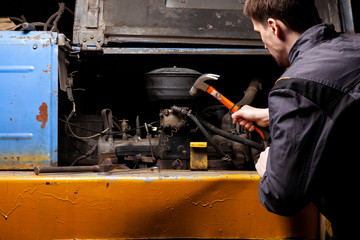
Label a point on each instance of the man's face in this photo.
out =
(272, 42)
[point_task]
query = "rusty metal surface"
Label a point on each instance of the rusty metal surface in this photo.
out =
(347, 16)
(28, 99)
(156, 21)
(143, 205)
(186, 51)
(197, 22)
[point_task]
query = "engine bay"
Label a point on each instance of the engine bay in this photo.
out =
(136, 116)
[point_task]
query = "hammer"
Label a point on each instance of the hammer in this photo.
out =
(200, 84)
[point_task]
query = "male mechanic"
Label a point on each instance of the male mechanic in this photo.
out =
(312, 115)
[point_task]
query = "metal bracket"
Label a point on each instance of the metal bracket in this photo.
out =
(89, 31)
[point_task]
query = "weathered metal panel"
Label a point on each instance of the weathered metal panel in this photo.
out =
(158, 21)
(200, 22)
(143, 205)
(329, 12)
(347, 16)
(28, 99)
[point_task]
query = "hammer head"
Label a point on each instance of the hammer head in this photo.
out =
(200, 83)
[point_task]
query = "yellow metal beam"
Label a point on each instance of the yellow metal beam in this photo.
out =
(168, 204)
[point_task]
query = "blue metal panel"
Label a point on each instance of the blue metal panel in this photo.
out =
(28, 99)
(347, 16)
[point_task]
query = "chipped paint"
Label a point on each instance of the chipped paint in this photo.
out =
(6, 216)
(22, 64)
(209, 204)
(18, 201)
(43, 114)
(15, 161)
(184, 204)
(47, 70)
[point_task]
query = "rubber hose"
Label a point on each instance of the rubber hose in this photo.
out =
(202, 129)
(206, 134)
(232, 137)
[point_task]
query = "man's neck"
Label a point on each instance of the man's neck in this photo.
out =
(291, 38)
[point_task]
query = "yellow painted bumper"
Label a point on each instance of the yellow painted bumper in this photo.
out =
(169, 204)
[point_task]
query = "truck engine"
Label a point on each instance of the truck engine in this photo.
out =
(151, 119)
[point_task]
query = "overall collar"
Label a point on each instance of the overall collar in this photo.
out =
(310, 38)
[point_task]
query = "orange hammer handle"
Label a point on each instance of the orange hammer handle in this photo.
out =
(213, 92)
(230, 105)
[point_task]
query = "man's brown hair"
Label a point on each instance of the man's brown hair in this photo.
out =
(298, 15)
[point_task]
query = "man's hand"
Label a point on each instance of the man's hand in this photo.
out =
(247, 115)
(261, 163)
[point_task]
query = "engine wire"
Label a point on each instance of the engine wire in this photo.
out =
(68, 123)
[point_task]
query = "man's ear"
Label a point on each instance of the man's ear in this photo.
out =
(277, 27)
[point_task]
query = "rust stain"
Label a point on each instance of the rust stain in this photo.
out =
(43, 115)
(37, 37)
(47, 70)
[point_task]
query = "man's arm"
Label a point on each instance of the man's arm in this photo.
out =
(295, 126)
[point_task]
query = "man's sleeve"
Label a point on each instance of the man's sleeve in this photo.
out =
(295, 125)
